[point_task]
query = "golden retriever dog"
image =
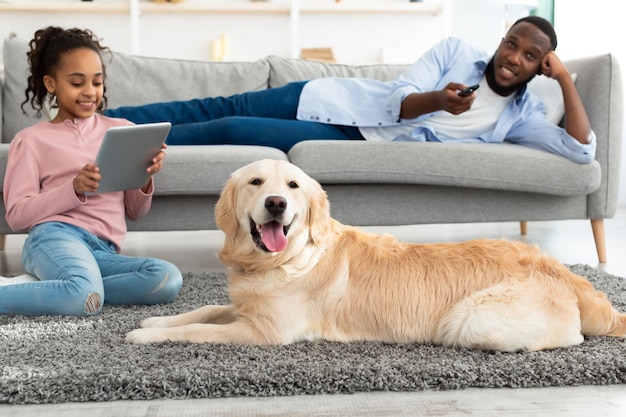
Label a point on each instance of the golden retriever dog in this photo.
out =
(294, 273)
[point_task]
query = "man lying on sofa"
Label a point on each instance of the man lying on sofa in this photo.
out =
(424, 104)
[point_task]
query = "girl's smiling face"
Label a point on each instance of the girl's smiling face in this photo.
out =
(77, 83)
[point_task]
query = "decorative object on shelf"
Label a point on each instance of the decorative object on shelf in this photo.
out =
(220, 48)
(318, 54)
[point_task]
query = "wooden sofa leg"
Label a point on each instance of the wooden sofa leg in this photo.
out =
(523, 228)
(3, 241)
(597, 226)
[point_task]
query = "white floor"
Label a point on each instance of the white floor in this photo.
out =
(569, 241)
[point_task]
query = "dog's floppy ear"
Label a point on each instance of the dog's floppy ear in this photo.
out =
(226, 209)
(319, 213)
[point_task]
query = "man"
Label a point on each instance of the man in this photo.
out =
(422, 104)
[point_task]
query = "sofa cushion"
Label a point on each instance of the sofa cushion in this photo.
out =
(133, 80)
(488, 166)
(549, 91)
(284, 70)
(193, 170)
(203, 170)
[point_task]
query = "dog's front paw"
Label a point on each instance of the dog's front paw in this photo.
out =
(143, 336)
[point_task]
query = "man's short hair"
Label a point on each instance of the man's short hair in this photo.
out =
(543, 25)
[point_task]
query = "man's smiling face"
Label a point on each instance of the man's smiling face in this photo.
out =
(518, 58)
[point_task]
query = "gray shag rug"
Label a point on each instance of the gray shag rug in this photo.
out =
(62, 359)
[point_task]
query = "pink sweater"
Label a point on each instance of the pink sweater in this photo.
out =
(38, 186)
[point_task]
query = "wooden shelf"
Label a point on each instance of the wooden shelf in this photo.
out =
(121, 6)
(420, 8)
(65, 7)
(193, 7)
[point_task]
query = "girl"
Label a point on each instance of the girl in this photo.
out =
(74, 237)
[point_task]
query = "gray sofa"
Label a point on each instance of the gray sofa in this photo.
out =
(367, 183)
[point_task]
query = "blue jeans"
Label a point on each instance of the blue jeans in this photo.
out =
(79, 272)
(266, 117)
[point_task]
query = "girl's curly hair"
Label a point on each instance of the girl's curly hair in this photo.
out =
(46, 49)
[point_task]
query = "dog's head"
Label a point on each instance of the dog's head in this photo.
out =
(270, 207)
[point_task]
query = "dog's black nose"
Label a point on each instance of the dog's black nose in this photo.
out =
(275, 204)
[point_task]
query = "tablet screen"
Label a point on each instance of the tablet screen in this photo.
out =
(126, 153)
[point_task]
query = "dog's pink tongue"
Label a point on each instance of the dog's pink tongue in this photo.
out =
(273, 237)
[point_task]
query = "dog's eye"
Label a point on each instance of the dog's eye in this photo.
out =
(256, 181)
(293, 184)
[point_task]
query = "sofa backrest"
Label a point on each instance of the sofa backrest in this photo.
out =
(133, 80)
(1, 100)
(285, 70)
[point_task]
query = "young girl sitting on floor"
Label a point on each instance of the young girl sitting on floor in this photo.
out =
(74, 237)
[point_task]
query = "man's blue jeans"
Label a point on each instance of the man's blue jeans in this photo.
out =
(266, 117)
(79, 272)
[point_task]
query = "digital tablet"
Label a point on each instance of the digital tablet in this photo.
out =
(125, 154)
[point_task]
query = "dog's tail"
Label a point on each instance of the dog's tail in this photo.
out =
(597, 315)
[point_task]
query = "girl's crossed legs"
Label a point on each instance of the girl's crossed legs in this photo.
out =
(79, 272)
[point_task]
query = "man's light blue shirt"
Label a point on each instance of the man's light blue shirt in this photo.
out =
(365, 102)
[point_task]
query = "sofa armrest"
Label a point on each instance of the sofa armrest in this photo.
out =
(599, 84)
(1, 101)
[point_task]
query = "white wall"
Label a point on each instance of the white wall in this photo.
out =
(356, 37)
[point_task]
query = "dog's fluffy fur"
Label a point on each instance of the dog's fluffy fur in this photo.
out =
(295, 273)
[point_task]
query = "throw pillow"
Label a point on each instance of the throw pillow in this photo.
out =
(549, 91)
